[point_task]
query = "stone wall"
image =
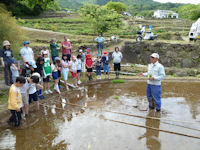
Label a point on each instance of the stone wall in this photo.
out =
(171, 55)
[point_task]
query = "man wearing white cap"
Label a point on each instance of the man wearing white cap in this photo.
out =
(156, 73)
(27, 53)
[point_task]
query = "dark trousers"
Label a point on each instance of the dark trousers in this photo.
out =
(15, 118)
(7, 74)
(98, 70)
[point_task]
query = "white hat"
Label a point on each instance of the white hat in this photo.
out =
(5, 43)
(155, 55)
(44, 52)
(80, 50)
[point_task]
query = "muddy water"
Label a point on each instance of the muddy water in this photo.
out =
(61, 126)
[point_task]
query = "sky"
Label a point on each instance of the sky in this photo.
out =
(179, 1)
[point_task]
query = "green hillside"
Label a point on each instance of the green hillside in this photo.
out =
(136, 7)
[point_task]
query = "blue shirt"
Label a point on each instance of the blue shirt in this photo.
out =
(157, 71)
(105, 60)
(100, 39)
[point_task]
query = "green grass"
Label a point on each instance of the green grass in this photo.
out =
(118, 81)
(116, 97)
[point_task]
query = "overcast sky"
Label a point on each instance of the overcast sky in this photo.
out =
(179, 1)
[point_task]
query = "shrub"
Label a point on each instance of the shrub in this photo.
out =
(9, 30)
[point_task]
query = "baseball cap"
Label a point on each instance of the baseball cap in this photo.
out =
(89, 56)
(26, 42)
(105, 52)
(32, 64)
(155, 55)
(80, 50)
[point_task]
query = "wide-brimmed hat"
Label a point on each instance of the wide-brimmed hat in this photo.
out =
(5, 43)
(155, 55)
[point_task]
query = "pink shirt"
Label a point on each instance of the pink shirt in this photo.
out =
(64, 50)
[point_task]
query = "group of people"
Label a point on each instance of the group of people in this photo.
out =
(33, 76)
(26, 83)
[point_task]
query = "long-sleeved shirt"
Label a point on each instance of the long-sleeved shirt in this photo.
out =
(100, 39)
(117, 57)
(157, 71)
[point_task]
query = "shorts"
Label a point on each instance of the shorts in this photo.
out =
(59, 73)
(33, 96)
(117, 67)
(106, 68)
(65, 75)
(78, 71)
(74, 75)
(24, 98)
(55, 75)
(89, 69)
(47, 79)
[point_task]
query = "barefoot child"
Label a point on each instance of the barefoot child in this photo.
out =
(89, 64)
(54, 68)
(65, 69)
(15, 101)
(73, 69)
(47, 73)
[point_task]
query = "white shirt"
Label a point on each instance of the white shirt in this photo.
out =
(79, 64)
(25, 87)
(74, 66)
(54, 68)
(117, 57)
(27, 53)
(32, 88)
(157, 71)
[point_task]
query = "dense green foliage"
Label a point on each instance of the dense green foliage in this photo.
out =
(102, 19)
(189, 11)
(29, 7)
(9, 30)
(117, 6)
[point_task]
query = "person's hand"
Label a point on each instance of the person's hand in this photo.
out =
(141, 74)
(18, 109)
(152, 78)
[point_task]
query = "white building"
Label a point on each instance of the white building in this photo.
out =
(165, 14)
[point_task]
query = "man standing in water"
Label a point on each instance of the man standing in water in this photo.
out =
(156, 73)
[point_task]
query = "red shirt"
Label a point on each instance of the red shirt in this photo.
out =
(89, 62)
(64, 50)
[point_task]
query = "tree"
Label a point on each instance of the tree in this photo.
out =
(9, 30)
(117, 6)
(102, 18)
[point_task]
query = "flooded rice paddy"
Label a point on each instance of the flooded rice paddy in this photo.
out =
(89, 125)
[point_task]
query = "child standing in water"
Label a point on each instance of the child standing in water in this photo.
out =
(98, 67)
(89, 64)
(65, 69)
(79, 68)
(15, 101)
(54, 68)
(74, 66)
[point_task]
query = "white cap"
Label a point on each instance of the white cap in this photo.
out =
(80, 50)
(44, 52)
(155, 55)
